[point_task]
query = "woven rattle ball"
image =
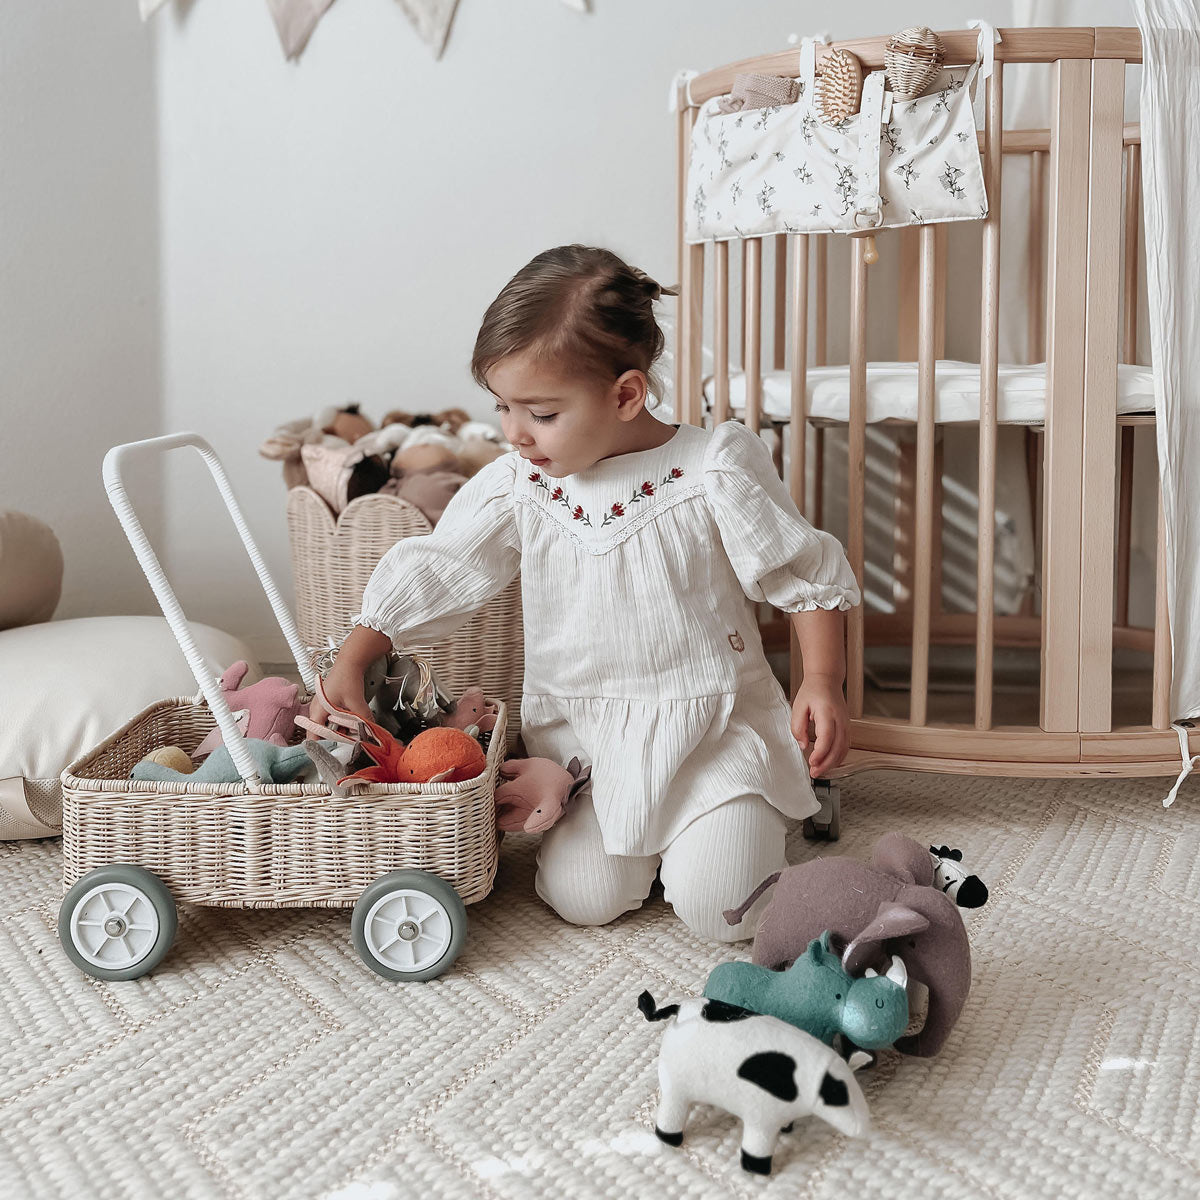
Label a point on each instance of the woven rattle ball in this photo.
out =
(173, 757)
(911, 59)
(839, 87)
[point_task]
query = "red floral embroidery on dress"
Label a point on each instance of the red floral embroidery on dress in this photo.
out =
(617, 509)
(559, 497)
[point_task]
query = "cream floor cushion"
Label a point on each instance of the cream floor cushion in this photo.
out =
(66, 685)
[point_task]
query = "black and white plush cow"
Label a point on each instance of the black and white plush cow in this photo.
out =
(762, 1070)
(950, 877)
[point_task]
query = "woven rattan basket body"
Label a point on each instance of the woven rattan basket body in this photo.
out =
(332, 561)
(288, 846)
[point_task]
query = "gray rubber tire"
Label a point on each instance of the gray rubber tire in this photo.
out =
(419, 901)
(108, 889)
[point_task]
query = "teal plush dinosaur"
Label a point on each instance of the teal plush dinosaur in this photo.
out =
(817, 994)
(276, 764)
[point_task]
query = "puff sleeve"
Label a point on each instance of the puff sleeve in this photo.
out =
(424, 588)
(777, 555)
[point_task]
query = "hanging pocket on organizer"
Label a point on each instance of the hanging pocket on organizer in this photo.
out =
(784, 169)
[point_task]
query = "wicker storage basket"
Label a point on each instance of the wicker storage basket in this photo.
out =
(332, 561)
(285, 846)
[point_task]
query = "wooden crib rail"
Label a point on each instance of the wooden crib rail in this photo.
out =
(1051, 44)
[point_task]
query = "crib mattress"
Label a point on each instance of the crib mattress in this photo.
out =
(892, 392)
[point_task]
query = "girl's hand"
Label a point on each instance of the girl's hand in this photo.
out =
(820, 720)
(344, 683)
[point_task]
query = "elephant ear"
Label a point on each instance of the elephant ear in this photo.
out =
(891, 921)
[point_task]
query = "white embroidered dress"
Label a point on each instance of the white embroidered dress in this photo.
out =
(642, 654)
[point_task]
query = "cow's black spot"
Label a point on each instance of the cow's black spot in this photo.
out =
(718, 1010)
(773, 1072)
(834, 1092)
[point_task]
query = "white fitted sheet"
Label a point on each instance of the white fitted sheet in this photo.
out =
(892, 392)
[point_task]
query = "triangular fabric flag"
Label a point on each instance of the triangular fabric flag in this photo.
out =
(149, 7)
(295, 21)
(431, 19)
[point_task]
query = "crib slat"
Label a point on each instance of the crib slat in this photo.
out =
(695, 318)
(1133, 196)
(856, 469)
(685, 120)
(820, 357)
(1100, 397)
(721, 333)
(989, 367)
(798, 425)
(779, 358)
(1036, 298)
(799, 338)
(1161, 689)
(922, 583)
(1063, 471)
(1124, 525)
(752, 323)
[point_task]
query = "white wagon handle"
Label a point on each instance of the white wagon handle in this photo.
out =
(115, 487)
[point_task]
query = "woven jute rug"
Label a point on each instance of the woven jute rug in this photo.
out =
(264, 1060)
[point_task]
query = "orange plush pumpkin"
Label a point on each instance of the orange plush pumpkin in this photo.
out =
(438, 755)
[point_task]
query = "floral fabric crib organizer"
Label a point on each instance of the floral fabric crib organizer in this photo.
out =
(784, 169)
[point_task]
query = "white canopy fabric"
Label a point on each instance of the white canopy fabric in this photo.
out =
(1171, 197)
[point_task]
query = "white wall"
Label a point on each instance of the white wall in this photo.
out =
(79, 311)
(332, 230)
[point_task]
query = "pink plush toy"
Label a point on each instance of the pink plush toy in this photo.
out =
(536, 793)
(267, 709)
(471, 711)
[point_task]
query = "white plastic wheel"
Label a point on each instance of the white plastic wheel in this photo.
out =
(114, 926)
(409, 926)
(117, 922)
(408, 930)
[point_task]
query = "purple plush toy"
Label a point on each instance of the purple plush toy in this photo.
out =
(889, 906)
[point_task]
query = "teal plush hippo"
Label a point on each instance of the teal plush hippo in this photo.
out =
(817, 994)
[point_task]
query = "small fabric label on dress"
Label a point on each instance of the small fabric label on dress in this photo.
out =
(735, 640)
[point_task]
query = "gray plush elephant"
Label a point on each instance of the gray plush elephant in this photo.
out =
(887, 907)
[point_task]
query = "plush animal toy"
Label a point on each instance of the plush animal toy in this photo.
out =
(817, 994)
(172, 756)
(949, 877)
(424, 456)
(275, 764)
(339, 473)
(886, 907)
(266, 709)
(471, 713)
(346, 423)
(535, 793)
(762, 1070)
(442, 756)
(427, 491)
(435, 756)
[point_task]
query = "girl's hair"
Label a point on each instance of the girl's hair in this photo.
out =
(578, 305)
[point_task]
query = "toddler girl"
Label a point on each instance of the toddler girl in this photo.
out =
(641, 548)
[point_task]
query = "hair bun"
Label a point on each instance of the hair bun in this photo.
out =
(653, 289)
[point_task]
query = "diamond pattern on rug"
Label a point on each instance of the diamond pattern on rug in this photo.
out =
(263, 1060)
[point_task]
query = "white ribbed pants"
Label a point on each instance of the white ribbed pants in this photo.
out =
(714, 864)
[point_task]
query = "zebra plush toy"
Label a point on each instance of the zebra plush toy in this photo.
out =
(949, 877)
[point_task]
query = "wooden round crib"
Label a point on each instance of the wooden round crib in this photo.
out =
(1096, 691)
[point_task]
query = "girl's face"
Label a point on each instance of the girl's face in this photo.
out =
(562, 424)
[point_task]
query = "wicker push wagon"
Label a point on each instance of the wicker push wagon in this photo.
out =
(407, 858)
